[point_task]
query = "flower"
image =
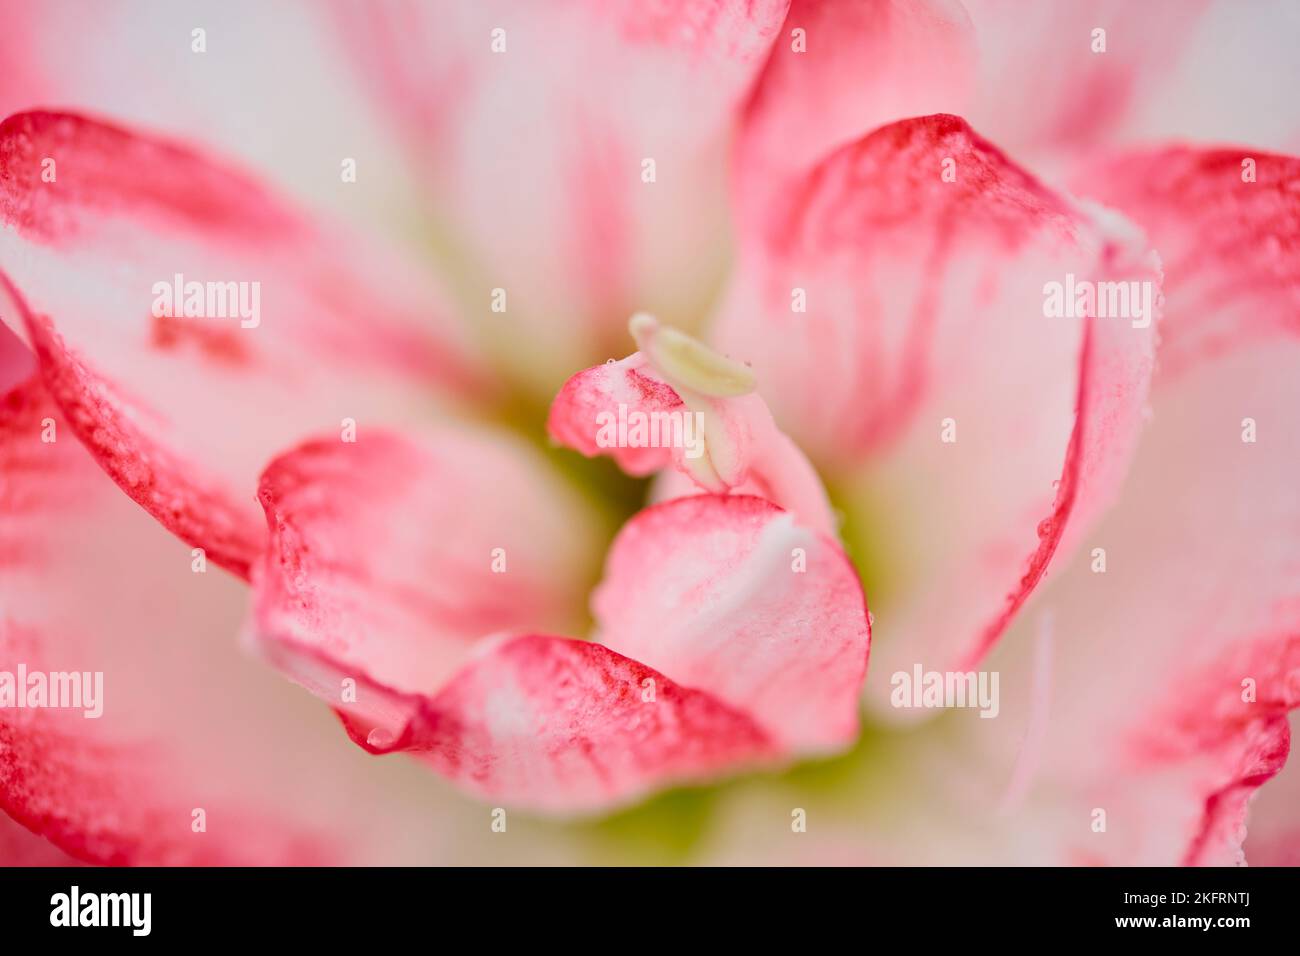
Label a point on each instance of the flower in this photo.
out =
(1093, 507)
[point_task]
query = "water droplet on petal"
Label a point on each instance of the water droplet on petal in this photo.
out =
(379, 738)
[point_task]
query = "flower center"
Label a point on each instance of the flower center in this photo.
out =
(702, 378)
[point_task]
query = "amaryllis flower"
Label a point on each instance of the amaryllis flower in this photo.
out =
(357, 378)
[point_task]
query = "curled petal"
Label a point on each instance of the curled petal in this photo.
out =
(896, 311)
(655, 408)
(731, 596)
(348, 604)
(390, 556)
(209, 324)
(565, 725)
(587, 400)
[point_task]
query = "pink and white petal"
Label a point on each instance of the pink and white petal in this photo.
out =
(717, 444)
(840, 69)
(182, 411)
(1228, 83)
(1273, 825)
(376, 550)
(135, 60)
(544, 117)
(389, 557)
(1175, 669)
(590, 396)
(1086, 86)
(1201, 598)
(729, 595)
(1162, 702)
(563, 725)
(20, 847)
(90, 584)
(1170, 69)
(1239, 275)
(960, 427)
(23, 70)
(541, 722)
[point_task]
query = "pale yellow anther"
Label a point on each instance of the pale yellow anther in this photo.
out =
(688, 362)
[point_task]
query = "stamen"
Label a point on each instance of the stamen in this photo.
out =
(687, 362)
